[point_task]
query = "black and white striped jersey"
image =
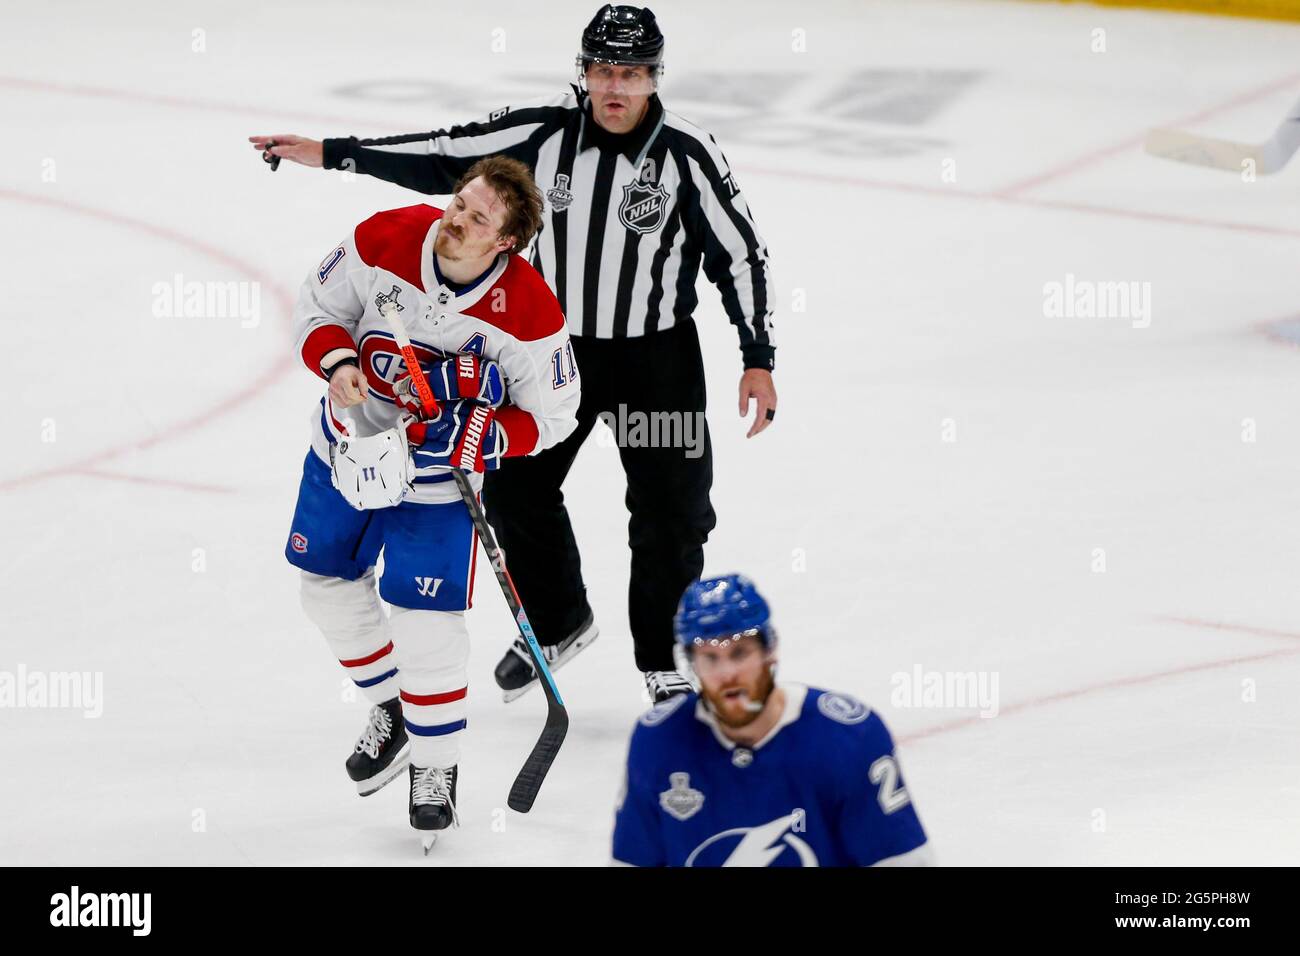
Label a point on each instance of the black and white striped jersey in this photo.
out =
(629, 219)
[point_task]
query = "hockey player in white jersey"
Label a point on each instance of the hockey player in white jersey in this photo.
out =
(493, 343)
(752, 772)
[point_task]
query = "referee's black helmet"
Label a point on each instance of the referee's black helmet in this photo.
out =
(624, 35)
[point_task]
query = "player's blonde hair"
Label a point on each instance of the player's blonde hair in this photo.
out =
(513, 183)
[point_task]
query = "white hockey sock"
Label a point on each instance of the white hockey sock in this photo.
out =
(434, 647)
(349, 615)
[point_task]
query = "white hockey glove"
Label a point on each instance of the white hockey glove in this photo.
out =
(374, 471)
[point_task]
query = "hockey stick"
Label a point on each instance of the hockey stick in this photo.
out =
(1267, 157)
(529, 781)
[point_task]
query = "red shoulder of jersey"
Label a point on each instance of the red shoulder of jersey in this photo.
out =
(531, 310)
(393, 240)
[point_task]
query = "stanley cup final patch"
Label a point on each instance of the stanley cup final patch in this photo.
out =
(679, 801)
(644, 202)
(559, 195)
(381, 299)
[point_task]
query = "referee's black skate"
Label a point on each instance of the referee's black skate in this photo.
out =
(383, 749)
(516, 675)
(661, 685)
(432, 802)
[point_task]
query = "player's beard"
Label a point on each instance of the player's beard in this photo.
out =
(744, 708)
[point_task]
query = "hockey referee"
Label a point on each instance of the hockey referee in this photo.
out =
(637, 200)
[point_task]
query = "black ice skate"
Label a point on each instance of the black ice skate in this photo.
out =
(661, 685)
(383, 749)
(515, 674)
(433, 802)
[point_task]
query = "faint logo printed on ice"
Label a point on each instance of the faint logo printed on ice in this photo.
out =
(855, 113)
(1084, 299)
(943, 690)
(69, 690)
(179, 299)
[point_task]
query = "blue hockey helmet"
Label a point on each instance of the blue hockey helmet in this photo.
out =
(719, 609)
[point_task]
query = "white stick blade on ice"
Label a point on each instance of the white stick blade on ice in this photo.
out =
(1267, 157)
(1200, 150)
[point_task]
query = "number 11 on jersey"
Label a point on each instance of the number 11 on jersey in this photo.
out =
(564, 369)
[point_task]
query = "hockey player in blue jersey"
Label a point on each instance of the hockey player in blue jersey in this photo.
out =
(751, 772)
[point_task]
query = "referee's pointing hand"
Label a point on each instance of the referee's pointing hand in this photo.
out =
(757, 383)
(298, 149)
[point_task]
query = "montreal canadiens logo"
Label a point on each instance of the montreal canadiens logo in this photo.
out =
(842, 708)
(771, 844)
(382, 363)
(298, 543)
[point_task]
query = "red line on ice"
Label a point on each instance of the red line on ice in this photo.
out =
(953, 192)
(1115, 683)
(150, 480)
(180, 102)
(1105, 152)
(1229, 626)
(88, 465)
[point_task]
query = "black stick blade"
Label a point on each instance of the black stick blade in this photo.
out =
(529, 782)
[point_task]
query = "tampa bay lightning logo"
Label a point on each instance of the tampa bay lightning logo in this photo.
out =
(843, 708)
(662, 711)
(770, 844)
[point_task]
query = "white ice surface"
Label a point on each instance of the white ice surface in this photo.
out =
(880, 545)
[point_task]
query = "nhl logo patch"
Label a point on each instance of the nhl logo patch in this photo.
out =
(559, 196)
(842, 708)
(680, 801)
(643, 206)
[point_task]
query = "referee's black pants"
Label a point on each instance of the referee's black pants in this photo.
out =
(667, 492)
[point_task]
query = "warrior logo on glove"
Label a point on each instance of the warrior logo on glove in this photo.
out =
(463, 435)
(465, 377)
